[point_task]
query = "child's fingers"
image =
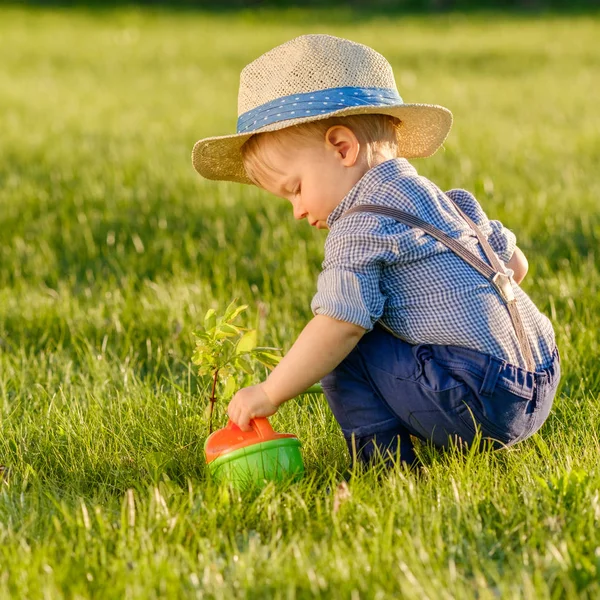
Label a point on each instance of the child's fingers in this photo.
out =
(243, 422)
(232, 412)
(239, 416)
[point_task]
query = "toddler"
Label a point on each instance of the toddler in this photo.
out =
(420, 327)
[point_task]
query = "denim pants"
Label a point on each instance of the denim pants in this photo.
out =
(386, 390)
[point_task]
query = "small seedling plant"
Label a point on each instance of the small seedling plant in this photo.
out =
(225, 350)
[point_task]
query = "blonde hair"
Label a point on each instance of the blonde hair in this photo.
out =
(378, 135)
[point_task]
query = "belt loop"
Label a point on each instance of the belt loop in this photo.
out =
(539, 390)
(495, 365)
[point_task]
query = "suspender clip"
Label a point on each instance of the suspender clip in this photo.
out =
(502, 282)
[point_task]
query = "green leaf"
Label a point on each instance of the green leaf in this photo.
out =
(243, 363)
(266, 349)
(229, 388)
(267, 359)
(231, 312)
(236, 312)
(221, 334)
(203, 345)
(210, 318)
(247, 342)
(232, 329)
(205, 370)
(230, 308)
(198, 358)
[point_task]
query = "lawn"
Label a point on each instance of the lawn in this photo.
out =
(112, 249)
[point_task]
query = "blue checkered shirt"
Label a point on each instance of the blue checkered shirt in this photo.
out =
(377, 269)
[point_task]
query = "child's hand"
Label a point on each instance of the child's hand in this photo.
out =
(250, 402)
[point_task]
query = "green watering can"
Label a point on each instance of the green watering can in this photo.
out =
(252, 458)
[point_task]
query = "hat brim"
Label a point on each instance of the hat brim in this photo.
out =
(424, 127)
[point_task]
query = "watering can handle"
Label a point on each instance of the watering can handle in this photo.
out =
(261, 426)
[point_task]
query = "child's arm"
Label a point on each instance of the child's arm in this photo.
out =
(518, 263)
(320, 347)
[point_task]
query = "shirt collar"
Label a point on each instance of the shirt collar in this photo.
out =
(390, 169)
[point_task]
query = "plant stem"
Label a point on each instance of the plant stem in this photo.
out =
(212, 401)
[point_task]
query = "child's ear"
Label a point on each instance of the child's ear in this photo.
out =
(344, 142)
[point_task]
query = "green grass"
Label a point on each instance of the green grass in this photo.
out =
(112, 249)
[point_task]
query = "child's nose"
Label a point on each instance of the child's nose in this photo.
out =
(299, 212)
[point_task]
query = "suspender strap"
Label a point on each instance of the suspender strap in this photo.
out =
(511, 306)
(497, 275)
(487, 249)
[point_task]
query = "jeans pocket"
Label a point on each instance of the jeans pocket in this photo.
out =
(439, 415)
(504, 416)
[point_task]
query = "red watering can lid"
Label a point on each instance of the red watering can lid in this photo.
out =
(231, 437)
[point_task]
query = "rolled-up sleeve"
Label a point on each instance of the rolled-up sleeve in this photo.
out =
(502, 240)
(348, 288)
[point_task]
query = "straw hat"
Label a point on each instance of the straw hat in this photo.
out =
(316, 77)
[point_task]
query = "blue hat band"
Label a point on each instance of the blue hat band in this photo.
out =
(316, 103)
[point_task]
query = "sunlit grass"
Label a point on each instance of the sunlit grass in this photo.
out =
(112, 249)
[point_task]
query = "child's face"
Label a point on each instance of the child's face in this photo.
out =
(314, 175)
